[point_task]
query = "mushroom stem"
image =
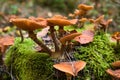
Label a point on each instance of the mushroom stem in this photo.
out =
(68, 76)
(1, 64)
(34, 38)
(54, 39)
(22, 38)
(117, 42)
(1, 60)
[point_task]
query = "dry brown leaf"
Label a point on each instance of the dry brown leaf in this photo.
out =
(86, 37)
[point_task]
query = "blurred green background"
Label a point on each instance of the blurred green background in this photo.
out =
(48, 8)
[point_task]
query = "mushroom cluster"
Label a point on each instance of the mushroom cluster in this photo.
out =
(61, 39)
(81, 11)
(101, 23)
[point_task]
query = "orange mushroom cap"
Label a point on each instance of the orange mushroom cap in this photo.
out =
(116, 35)
(116, 64)
(69, 37)
(71, 68)
(85, 7)
(28, 24)
(83, 20)
(60, 21)
(99, 19)
(114, 73)
(5, 42)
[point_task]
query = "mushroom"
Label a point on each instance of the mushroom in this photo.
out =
(116, 36)
(65, 41)
(4, 43)
(30, 25)
(85, 7)
(101, 23)
(61, 22)
(81, 11)
(114, 73)
(68, 37)
(116, 64)
(70, 68)
(86, 37)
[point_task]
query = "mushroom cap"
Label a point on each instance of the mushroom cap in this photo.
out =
(86, 37)
(28, 24)
(106, 22)
(85, 7)
(99, 19)
(60, 21)
(69, 37)
(116, 64)
(114, 73)
(71, 68)
(116, 35)
(83, 20)
(5, 42)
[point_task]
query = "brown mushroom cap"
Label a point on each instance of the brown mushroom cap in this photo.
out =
(114, 73)
(116, 64)
(60, 21)
(83, 20)
(106, 22)
(69, 37)
(85, 7)
(5, 42)
(99, 19)
(116, 35)
(28, 24)
(71, 68)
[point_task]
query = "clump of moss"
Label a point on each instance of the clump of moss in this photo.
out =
(26, 63)
(98, 54)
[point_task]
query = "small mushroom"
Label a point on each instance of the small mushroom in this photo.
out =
(5, 42)
(70, 68)
(86, 37)
(114, 73)
(83, 20)
(116, 64)
(101, 23)
(65, 41)
(116, 36)
(85, 7)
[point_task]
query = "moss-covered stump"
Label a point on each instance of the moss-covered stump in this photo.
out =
(98, 54)
(26, 63)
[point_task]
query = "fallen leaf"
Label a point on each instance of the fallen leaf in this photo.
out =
(86, 37)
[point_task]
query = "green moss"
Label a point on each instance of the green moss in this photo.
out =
(27, 64)
(98, 54)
